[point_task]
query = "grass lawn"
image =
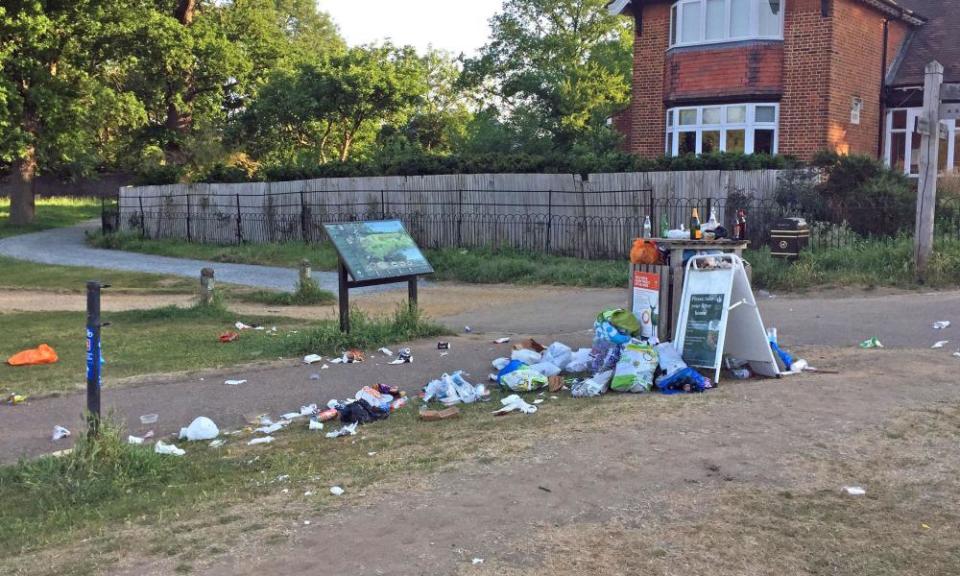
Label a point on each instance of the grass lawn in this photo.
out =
(175, 339)
(55, 212)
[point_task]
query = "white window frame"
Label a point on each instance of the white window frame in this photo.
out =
(676, 23)
(952, 127)
(749, 126)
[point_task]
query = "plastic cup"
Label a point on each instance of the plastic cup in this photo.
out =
(149, 418)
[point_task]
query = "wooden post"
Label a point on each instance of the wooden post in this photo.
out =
(206, 286)
(929, 159)
(306, 273)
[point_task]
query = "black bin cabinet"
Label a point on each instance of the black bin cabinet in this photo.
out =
(788, 237)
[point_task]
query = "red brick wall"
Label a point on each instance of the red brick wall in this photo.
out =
(706, 74)
(857, 71)
(806, 74)
(648, 114)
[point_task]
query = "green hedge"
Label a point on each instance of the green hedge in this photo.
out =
(426, 165)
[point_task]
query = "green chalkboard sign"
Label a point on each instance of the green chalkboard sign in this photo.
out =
(703, 327)
(377, 250)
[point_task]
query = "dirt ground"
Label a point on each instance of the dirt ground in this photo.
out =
(742, 480)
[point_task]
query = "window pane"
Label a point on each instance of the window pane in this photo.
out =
(956, 147)
(737, 114)
(691, 22)
(711, 115)
(898, 150)
(711, 141)
(763, 142)
(688, 117)
(670, 118)
(900, 120)
(715, 19)
(687, 142)
(736, 141)
(915, 153)
(669, 143)
(673, 25)
(769, 20)
(739, 18)
(766, 114)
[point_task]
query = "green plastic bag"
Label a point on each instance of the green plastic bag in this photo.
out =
(636, 368)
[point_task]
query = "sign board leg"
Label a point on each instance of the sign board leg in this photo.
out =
(343, 293)
(412, 293)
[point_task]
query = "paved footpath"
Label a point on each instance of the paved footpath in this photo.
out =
(67, 246)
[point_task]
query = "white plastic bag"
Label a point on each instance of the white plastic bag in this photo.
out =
(162, 447)
(526, 356)
(579, 361)
(558, 354)
(201, 428)
(500, 363)
(594, 386)
(524, 379)
(548, 369)
(670, 360)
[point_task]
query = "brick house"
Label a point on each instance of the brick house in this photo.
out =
(787, 76)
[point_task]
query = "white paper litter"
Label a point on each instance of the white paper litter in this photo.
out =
(234, 382)
(501, 340)
(337, 361)
(312, 358)
(308, 493)
(337, 491)
(162, 447)
(443, 354)
(292, 416)
(386, 352)
(854, 490)
(325, 367)
(940, 325)
(241, 326)
(59, 432)
(477, 561)
(538, 401)
(135, 440)
(270, 429)
(399, 361)
(348, 430)
(315, 424)
(940, 344)
(217, 443)
(515, 402)
(261, 440)
(308, 409)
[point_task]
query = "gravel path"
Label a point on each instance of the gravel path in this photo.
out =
(67, 246)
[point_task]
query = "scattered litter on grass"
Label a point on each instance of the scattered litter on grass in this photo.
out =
(162, 447)
(291, 415)
(337, 491)
(941, 324)
(336, 361)
(59, 432)
(42, 354)
(957, 353)
(515, 403)
(306, 522)
(854, 490)
(261, 440)
(501, 340)
(202, 428)
(443, 345)
(442, 354)
(467, 329)
(135, 440)
(324, 367)
(346, 430)
(477, 561)
(234, 382)
(538, 401)
(241, 326)
(270, 428)
(386, 351)
(453, 389)
(229, 337)
(217, 443)
(312, 358)
(940, 344)
(149, 418)
(15, 399)
(871, 343)
(371, 453)
(315, 424)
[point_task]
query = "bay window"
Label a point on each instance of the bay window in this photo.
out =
(902, 142)
(710, 21)
(743, 128)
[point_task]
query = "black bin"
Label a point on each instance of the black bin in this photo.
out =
(788, 237)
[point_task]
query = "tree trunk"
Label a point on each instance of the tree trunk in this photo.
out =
(22, 206)
(345, 147)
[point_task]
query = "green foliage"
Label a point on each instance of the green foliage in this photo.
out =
(560, 67)
(366, 333)
(53, 212)
(306, 294)
(482, 266)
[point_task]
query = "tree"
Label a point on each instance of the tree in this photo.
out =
(438, 124)
(324, 109)
(566, 63)
(59, 104)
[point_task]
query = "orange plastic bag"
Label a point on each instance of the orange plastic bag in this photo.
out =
(644, 252)
(42, 354)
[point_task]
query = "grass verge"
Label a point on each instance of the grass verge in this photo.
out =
(173, 339)
(55, 212)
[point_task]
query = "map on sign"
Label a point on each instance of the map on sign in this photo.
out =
(377, 250)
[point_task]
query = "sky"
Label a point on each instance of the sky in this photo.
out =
(452, 25)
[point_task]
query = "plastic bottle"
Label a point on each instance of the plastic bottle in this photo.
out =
(647, 227)
(712, 223)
